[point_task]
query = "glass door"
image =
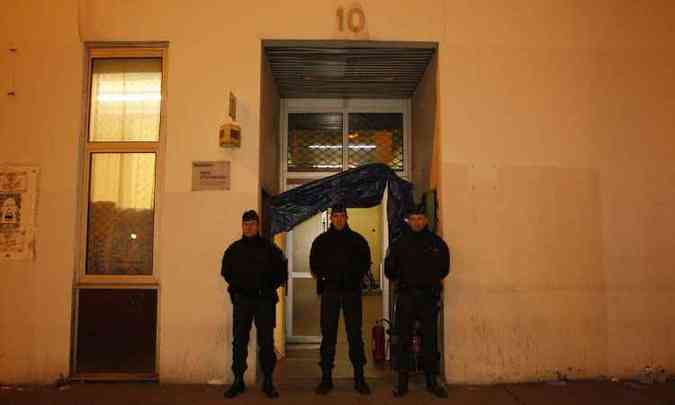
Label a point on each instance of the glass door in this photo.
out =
(302, 319)
(322, 138)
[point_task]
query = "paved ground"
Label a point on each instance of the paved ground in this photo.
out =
(298, 392)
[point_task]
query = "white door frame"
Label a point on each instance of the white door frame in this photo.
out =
(288, 322)
(344, 106)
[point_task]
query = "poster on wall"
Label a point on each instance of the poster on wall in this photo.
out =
(18, 201)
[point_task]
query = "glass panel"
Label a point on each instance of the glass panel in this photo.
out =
(303, 236)
(315, 142)
(376, 138)
(121, 213)
(306, 308)
(306, 303)
(125, 99)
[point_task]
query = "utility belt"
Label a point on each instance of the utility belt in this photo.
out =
(403, 287)
(253, 293)
(323, 285)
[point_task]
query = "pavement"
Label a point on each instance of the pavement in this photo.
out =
(301, 392)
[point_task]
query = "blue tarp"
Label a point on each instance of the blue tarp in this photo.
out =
(362, 187)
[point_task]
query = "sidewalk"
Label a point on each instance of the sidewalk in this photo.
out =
(300, 392)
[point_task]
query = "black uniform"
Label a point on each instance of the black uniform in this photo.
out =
(339, 260)
(418, 262)
(254, 268)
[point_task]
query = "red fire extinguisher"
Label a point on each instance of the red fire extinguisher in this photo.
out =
(378, 343)
(416, 340)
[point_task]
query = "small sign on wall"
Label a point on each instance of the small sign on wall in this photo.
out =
(210, 175)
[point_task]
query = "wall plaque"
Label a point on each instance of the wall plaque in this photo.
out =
(210, 176)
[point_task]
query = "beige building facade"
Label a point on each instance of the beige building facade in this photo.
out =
(552, 149)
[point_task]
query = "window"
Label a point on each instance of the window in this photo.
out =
(125, 100)
(327, 136)
(120, 234)
(122, 155)
(375, 138)
(315, 142)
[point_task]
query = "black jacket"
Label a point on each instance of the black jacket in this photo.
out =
(418, 260)
(339, 260)
(254, 267)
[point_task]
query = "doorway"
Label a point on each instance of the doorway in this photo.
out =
(341, 105)
(322, 139)
(303, 333)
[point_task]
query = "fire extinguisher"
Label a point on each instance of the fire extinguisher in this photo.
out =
(378, 342)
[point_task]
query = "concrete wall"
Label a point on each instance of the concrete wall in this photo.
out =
(424, 129)
(270, 105)
(558, 188)
(556, 174)
(41, 125)
(269, 131)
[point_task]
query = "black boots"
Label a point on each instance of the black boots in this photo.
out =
(360, 382)
(268, 387)
(236, 388)
(434, 387)
(239, 387)
(326, 383)
(401, 387)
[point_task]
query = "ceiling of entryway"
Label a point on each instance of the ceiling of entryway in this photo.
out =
(347, 69)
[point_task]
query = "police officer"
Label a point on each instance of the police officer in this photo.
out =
(254, 268)
(418, 262)
(339, 258)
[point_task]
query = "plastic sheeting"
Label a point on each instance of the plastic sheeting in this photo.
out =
(362, 187)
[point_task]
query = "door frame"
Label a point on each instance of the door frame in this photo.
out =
(82, 280)
(289, 180)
